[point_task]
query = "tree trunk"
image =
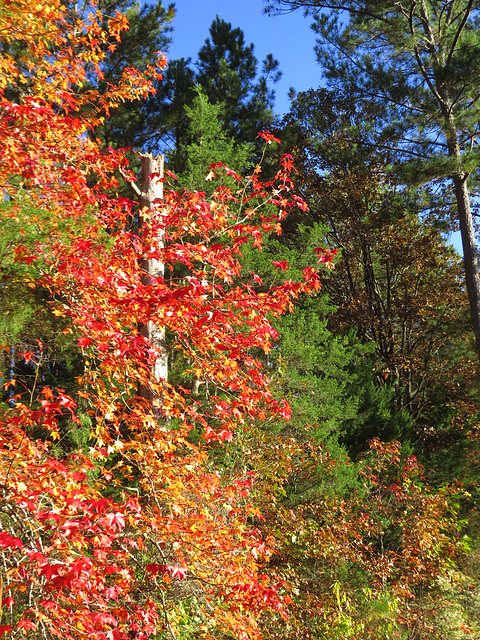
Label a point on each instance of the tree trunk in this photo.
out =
(470, 258)
(151, 195)
(464, 212)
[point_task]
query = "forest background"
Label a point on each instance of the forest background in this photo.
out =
(308, 467)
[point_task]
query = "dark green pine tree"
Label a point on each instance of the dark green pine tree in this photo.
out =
(226, 70)
(418, 63)
(130, 125)
(166, 109)
(228, 73)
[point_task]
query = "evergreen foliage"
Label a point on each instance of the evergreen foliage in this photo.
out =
(131, 124)
(228, 74)
(210, 144)
(227, 70)
(417, 64)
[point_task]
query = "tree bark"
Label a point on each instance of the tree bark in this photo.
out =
(465, 219)
(151, 196)
(470, 258)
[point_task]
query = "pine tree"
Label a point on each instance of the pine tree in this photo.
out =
(131, 125)
(227, 71)
(166, 109)
(418, 63)
(209, 144)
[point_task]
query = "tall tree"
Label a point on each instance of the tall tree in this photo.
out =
(227, 70)
(75, 542)
(228, 73)
(397, 283)
(129, 125)
(419, 63)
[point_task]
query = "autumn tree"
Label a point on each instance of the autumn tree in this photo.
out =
(418, 63)
(373, 562)
(394, 261)
(120, 537)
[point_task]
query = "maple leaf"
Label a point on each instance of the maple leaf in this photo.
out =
(28, 356)
(326, 256)
(26, 624)
(225, 435)
(287, 163)
(6, 540)
(282, 264)
(113, 520)
(56, 465)
(155, 569)
(268, 137)
(230, 172)
(178, 572)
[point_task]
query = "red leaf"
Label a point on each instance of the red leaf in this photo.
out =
(7, 541)
(178, 572)
(326, 256)
(268, 137)
(283, 264)
(26, 624)
(175, 572)
(56, 465)
(113, 519)
(155, 569)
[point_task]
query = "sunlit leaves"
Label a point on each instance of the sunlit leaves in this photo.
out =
(108, 541)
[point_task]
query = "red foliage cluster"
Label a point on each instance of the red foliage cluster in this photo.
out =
(101, 544)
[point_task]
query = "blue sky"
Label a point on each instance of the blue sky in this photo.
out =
(288, 38)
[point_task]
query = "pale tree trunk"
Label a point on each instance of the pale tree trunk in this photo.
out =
(151, 196)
